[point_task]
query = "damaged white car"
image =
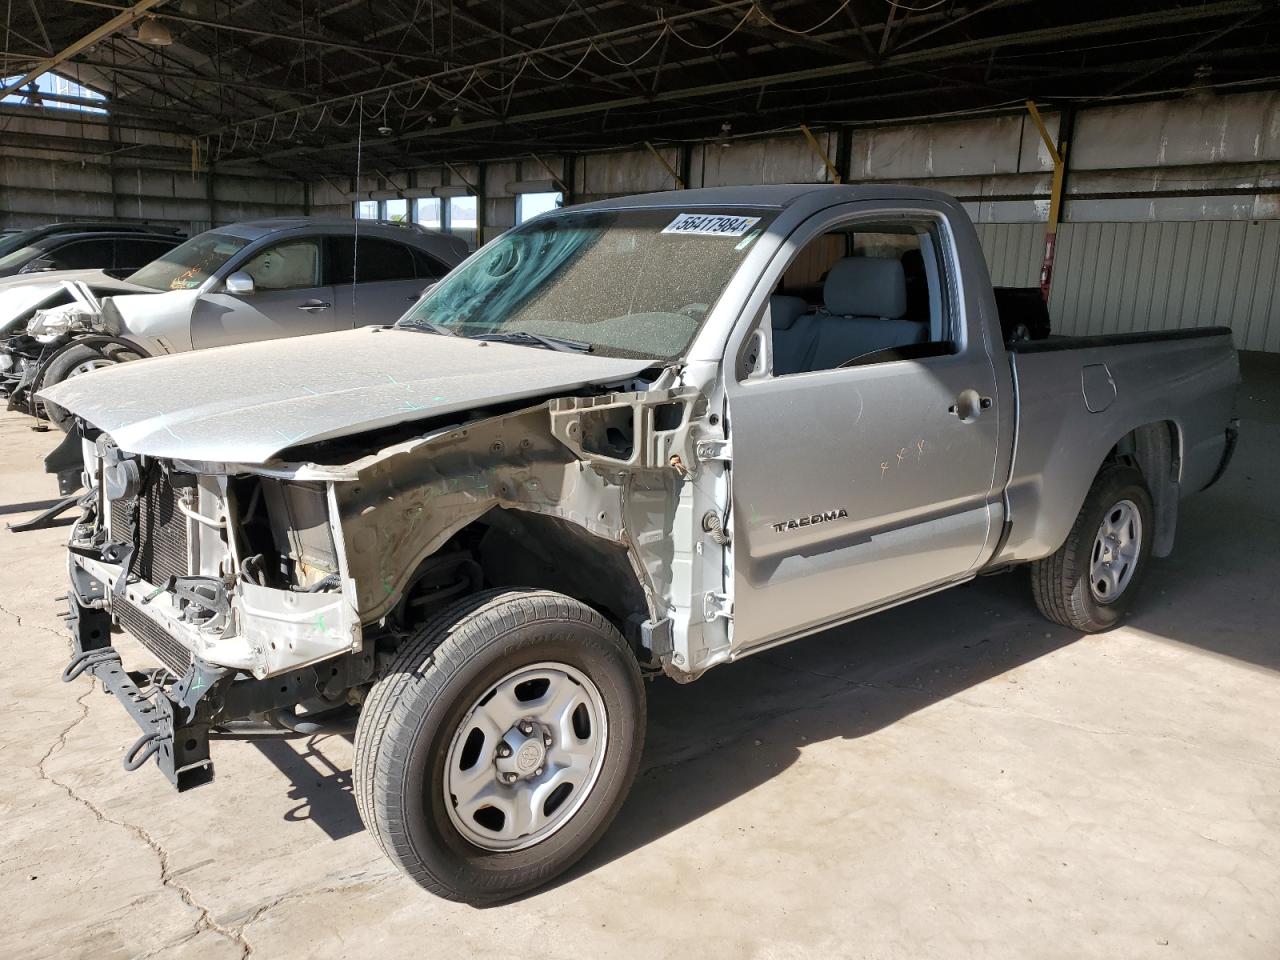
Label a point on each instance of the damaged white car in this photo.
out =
(239, 283)
(650, 435)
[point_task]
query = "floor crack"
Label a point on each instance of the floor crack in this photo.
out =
(205, 919)
(36, 626)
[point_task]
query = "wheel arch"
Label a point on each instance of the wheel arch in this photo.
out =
(1155, 449)
(507, 548)
(94, 341)
(1043, 501)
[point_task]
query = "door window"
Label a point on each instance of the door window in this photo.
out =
(292, 265)
(81, 255)
(427, 266)
(866, 293)
(376, 260)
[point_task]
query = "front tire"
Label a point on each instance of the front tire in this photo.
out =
(1090, 582)
(74, 361)
(499, 745)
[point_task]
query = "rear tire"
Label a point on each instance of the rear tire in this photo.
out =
(1090, 581)
(454, 699)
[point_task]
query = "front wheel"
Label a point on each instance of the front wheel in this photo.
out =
(500, 743)
(1090, 581)
(77, 360)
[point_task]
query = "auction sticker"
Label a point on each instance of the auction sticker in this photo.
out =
(710, 225)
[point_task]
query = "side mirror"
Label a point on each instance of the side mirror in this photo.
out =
(240, 284)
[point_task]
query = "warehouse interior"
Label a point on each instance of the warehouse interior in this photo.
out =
(472, 115)
(1125, 158)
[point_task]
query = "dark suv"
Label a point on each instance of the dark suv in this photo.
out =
(113, 251)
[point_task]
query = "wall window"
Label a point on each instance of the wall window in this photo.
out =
(529, 205)
(462, 218)
(427, 213)
(366, 209)
(397, 210)
(41, 92)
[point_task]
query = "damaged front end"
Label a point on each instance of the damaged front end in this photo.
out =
(270, 593)
(26, 355)
(235, 584)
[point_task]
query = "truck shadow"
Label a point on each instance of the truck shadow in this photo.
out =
(741, 726)
(320, 785)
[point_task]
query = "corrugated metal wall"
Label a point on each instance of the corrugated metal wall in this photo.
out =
(1172, 213)
(1123, 277)
(1014, 252)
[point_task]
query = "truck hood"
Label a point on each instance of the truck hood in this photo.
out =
(246, 403)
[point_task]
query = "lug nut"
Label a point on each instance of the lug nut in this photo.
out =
(504, 750)
(526, 728)
(509, 777)
(538, 772)
(546, 739)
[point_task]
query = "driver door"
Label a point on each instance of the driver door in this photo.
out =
(289, 298)
(857, 485)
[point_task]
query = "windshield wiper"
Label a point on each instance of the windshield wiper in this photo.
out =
(563, 344)
(426, 326)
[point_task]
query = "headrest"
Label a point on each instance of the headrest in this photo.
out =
(786, 310)
(866, 287)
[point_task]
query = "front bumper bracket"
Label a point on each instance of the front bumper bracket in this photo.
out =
(181, 749)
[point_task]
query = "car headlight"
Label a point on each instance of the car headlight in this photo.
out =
(50, 324)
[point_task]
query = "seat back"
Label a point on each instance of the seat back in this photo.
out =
(865, 300)
(793, 333)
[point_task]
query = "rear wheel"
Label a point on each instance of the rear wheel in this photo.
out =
(1090, 581)
(500, 744)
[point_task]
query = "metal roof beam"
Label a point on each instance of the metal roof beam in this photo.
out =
(121, 20)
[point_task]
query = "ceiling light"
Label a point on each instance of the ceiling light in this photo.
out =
(725, 129)
(385, 131)
(154, 34)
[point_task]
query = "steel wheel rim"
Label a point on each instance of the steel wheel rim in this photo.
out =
(1116, 549)
(88, 366)
(543, 725)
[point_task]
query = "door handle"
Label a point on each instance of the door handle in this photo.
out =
(313, 306)
(969, 406)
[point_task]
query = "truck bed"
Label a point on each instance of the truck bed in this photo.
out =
(1078, 397)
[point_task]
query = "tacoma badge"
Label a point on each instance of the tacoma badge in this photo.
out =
(810, 520)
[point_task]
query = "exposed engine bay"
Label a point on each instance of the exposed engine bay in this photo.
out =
(278, 586)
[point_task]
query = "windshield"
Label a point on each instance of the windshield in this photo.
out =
(630, 283)
(20, 256)
(12, 241)
(190, 264)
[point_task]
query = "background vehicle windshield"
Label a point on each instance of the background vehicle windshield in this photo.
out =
(20, 256)
(10, 242)
(190, 264)
(632, 283)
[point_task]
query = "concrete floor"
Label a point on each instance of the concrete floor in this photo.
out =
(955, 778)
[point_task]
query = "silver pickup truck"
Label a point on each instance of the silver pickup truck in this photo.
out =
(647, 435)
